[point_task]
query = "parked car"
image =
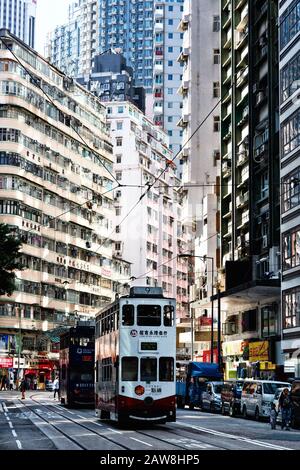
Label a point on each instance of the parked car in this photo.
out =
(49, 385)
(295, 396)
(211, 396)
(257, 396)
(231, 397)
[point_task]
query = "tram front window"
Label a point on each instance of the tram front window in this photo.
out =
(149, 315)
(129, 369)
(148, 369)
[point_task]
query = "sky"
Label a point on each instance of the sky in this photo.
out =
(50, 13)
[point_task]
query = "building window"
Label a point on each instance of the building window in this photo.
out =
(216, 126)
(170, 91)
(120, 109)
(170, 35)
(291, 308)
(170, 49)
(216, 23)
(118, 229)
(290, 78)
(170, 63)
(289, 23)
(119, 125)
(216, 89)
(119, 141)
(170, 105)
(170, 119)
(269, 321)
(291, 190)
(291, 248)
(290, 134)
(217, 56)
(118, 175)
(249, 320)
(119, 158)
(170, 76)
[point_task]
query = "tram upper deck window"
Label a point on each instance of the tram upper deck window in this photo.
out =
(148, 369)
(127, 315)
(168, 315)
(166, 369)
(130, 369)
(149, 315)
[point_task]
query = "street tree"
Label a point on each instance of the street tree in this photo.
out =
(10, 246)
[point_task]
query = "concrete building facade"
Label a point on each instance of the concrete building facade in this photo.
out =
(56, 194)
(289, 15)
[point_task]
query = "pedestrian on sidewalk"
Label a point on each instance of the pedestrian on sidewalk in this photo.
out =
(56, 387)
(273, 416)
(3, 383)
(23, 388)
(285, 405)
(11, 383)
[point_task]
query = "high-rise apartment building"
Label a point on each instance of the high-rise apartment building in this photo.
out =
(19, 17)
(112, 80)
(151, 236)
(199, 161)
(250, 225)
(145, 32)
(56, 162)
(290, 181)
(167, 71)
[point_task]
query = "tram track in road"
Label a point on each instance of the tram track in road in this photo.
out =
(62, 413)
(74, 439)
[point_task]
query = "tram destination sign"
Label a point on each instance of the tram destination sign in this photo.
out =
(147, 333)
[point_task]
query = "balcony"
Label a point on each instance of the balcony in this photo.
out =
(184, 55)
(183, 122)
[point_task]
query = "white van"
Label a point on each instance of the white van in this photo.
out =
(257, 396)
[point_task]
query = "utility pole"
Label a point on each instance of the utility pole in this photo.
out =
(219, 328)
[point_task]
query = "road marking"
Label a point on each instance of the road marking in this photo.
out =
(113, 430)
(14, 433)
(238, 438)
(5, 407)
(19, 444)
(10, 425)
(8, 419)
(1, 409)
(142, 442)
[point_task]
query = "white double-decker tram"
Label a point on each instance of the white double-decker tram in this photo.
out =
(135, 351)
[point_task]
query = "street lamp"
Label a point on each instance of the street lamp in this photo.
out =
(204, 258)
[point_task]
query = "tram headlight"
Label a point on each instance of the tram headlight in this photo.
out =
(139, 390)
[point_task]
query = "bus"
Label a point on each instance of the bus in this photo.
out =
(135, 351)
(77, 362)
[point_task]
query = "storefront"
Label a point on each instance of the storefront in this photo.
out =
(6, 368)
(235, 356)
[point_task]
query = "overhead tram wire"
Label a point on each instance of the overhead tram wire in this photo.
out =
(150, 186)
(53, 103)
(178, 153)
(168, 163)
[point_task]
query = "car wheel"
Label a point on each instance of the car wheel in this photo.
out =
(256, 415)
(245, 412)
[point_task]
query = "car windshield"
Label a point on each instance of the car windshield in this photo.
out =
(271, 388)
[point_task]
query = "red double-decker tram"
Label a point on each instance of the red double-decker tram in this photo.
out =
(135, 351)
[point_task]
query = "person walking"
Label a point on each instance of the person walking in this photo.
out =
(273, 416)
(56, 387)
(3, 383)
(11, 383)
(23, 388)
(285, 405)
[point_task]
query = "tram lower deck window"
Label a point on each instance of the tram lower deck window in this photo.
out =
(148, 369)
(149, 315)
(166, 369)
(130, 368)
